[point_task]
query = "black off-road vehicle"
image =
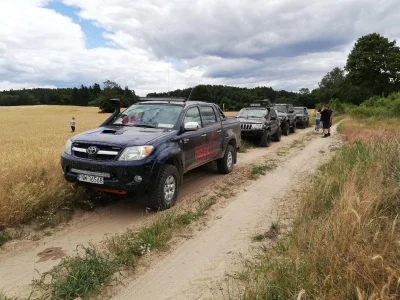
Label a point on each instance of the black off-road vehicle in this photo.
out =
(287, 117)
(260, 120)
(302, 117)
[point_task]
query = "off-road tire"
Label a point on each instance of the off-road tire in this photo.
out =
(156, 198)
(304, 125)
(225, 164)
(308, 123)
(293, 128)
(285, 129)
(266, 139)
(277, 135)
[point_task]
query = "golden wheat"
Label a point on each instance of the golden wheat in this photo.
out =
(32, 139)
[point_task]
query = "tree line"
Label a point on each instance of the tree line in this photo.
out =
(82, 96)
(372, 69)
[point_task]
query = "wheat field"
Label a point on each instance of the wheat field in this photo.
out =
(32, 139)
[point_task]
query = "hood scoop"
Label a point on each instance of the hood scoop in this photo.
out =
(111, 131)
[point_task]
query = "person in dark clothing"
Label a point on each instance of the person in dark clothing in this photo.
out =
(326, 118)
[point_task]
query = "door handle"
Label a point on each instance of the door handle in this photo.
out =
(186, 140)
(204, 135)
(219, 131)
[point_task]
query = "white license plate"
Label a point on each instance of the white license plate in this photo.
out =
(91, 179)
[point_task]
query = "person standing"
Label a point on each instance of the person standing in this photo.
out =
(330, 121)
(317, 120)
(326, 117)
(72, 123)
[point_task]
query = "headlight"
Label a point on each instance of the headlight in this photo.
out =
(68, 146)
(136, 153)
(257, 126)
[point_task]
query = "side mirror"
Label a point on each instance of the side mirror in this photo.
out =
(191, 126)
(273, 118)
(291, 111)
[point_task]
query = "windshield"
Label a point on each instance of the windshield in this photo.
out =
(152, 116)
(252, 113)
(299, 110)
(281, 108)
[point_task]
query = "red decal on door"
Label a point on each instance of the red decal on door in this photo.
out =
(205, 152)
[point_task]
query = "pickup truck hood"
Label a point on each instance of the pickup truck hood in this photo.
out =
(122, 135)
(250, 120)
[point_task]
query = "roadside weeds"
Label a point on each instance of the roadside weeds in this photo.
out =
(343, 243)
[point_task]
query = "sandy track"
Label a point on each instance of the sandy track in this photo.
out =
(195, 268)
(19, 260)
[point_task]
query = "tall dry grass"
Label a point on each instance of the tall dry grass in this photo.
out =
(345, 241)
(32, 139)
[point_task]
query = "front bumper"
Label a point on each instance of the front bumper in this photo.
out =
(122, 174)
(252, 133)
(300, 120)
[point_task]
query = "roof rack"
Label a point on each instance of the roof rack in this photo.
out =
(169, 99)
(261, 103)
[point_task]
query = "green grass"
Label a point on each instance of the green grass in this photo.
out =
(246, 145)
(78, 276)
(5, 236)
(343, 243)
(257, 171)
(53, 218)
(258, 237)
(272, 233)
(4, 297)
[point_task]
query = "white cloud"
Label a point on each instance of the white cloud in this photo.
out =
(280, 43)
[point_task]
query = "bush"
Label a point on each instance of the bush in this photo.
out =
(379, 107)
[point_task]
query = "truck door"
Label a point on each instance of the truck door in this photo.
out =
(212, 132)
(192, 140)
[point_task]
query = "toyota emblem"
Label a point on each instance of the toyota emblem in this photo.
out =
(91, 150)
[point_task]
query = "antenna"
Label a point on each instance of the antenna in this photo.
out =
(168, 78)
(190, 93)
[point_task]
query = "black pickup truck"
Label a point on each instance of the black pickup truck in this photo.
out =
(287, 117)
(260, 120)
(147, 148)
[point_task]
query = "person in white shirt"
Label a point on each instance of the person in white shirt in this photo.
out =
(72, 123)
(317, 119)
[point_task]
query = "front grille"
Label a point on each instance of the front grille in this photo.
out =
(98, 151)
(246, 126)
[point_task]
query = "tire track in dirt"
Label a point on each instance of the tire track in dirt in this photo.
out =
(19, 260)
(195, 268)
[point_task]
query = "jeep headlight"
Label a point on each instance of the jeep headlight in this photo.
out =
(257, 126)
(136, 153)
(68, 146)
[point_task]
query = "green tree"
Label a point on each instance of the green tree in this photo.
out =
(201, 93)
(374, 65)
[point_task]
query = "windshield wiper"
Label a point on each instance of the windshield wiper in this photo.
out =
(144, 125)
(118, 125)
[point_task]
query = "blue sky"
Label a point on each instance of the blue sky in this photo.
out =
(93, 33)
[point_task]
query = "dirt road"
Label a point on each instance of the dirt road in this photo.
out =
(194, 269)
(22, 261)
